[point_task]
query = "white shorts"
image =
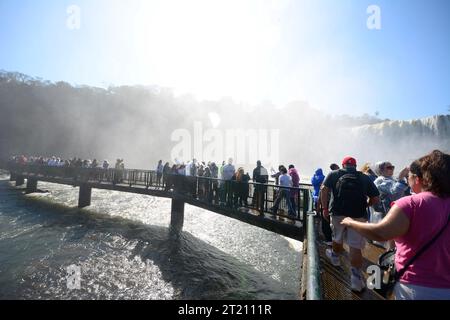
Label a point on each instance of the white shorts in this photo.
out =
(341, 233)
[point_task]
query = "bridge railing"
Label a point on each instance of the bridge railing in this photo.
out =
(262, 198)
(312, 281)
(281, 202)
(144, 178)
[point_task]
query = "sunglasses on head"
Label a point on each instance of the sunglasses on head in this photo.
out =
(390, 167)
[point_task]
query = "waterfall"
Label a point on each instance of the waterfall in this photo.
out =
(431, 127)
(401, 141)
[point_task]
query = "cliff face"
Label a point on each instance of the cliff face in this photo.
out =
(402, 141)
(432, 127)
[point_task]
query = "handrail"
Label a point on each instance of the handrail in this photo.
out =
(313, 278)
(303, 186)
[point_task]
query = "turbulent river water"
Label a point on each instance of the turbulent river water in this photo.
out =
(123, 249)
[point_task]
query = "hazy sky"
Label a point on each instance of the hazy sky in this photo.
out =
(319, 51)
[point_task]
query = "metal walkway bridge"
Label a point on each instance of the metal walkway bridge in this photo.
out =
(248, 202)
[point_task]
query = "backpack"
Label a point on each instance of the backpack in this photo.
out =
(384, 204)
(350, 199)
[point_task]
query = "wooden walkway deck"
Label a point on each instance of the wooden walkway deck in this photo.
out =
(336, 280)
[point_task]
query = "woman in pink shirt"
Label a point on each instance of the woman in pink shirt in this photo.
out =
(413, 222)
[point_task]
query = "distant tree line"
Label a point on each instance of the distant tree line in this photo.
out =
(134, 122)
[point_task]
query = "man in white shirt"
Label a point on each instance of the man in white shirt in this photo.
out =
(228, 173)
(285, 182)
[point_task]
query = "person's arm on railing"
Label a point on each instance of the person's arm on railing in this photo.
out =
(394, 225)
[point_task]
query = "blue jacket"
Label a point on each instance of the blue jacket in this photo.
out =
(317, 181)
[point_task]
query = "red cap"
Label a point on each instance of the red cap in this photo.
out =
(349, 161)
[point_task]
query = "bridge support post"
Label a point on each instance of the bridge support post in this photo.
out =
(177, 216)
(31, 185)
(84, 198)
(12, 177)
(20, 180)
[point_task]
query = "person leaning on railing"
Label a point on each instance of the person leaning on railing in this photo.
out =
(413, 222)
(159, 172)
(260, 177)
(227, 173)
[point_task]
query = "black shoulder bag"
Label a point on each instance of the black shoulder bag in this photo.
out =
(386, 262)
